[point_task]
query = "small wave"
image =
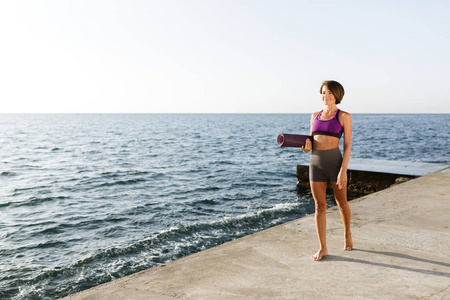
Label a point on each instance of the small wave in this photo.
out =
(6, 204)
(109, 179)
(198, 190)
(34, 201)
(22, 248)
(50, 231)
(123, 173)
(255, 184)
(224, 162)
(51, 244)
(24, 189)
(207, 189)
(8, 174)
(122, 182)
(205, 202)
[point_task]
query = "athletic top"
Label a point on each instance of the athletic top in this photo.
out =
(331, 127)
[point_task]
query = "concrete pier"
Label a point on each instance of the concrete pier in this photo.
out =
(367, 176)
(402, 251)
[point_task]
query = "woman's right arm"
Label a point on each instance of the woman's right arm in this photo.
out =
(308, 144)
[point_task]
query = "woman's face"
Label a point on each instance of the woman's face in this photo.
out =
(327, 96)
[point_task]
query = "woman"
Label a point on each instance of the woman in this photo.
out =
(327, 163)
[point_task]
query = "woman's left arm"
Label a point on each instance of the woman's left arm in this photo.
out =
(347, 124)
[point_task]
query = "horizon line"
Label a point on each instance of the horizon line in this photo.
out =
(207, 113)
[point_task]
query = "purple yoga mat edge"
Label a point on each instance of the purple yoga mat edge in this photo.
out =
(292, 140)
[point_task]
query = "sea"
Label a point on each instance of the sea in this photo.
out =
(89, 198)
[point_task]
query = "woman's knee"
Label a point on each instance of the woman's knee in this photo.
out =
(340, 195)
(321, 207)
(342, 203)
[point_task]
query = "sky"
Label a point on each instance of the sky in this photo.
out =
(223, 56)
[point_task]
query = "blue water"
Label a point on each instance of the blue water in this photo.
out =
(85, 199)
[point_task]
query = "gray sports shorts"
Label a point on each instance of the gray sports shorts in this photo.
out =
(325, 165)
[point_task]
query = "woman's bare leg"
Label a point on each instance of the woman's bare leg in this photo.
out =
(341, 199)
(319, 193)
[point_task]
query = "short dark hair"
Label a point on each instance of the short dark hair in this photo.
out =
(335, 88)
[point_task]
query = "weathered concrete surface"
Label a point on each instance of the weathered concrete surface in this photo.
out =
(395, 166)
(407, 168)
(402, 251)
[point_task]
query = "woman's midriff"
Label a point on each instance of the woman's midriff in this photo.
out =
(325, 142)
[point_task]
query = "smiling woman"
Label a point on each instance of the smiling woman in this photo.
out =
(327, 164)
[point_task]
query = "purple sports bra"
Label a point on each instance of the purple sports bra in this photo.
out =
(331, 127)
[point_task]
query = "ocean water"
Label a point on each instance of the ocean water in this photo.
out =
(85, 199)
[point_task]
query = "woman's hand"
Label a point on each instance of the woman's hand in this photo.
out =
(342, 179)
(307, 147)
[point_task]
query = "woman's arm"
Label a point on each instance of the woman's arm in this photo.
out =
(308, 143)
(347, 124)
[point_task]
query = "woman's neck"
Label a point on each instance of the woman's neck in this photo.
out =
(330, 109)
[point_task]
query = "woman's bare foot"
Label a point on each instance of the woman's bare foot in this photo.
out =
(318, 256)
(348, 245)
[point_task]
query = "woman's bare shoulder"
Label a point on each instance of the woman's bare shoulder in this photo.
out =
(345, 115)
(314, 114)
(346, 119)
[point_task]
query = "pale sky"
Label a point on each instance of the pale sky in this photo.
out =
(223, 56)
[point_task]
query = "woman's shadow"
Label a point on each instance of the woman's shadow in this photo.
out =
(392, 266)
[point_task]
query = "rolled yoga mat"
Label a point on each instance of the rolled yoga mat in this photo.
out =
(293, 140)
